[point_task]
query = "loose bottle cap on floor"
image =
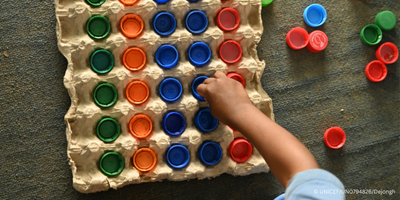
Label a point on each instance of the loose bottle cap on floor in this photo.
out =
(170, 89)
(134, 59)
(128, 2)
(318, 41)
(196, 22)
(137, 92)
(105, 95)
(111, 163)
(371, 34)
(297, 38)
(140, 126)
(131, 25)
(95, 2)
(102, 61)
(164, 23)
(144, 159)
(228, 19)
(167, 56)
(237, 78)
(98, 27)
(199, 53)
(199, 80)
(210, 153)
(386, 20)
(178, 156)
(204, 120)
(315, 15)
(376, 71)
(108, 129)
(387, 53)
(240, 150)
(334, 137)
(230, 51)
(174, 123)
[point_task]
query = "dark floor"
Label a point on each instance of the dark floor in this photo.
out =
(308, 91)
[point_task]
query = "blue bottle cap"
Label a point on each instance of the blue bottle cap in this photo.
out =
(205, 121)
(174, 123)
(164, 23)
(178, 156)
(161, 1)
(199, 80)
(314, 15)
(199, 53)
(170, 89)
(196, 22)
(167, 56)
(210, 153)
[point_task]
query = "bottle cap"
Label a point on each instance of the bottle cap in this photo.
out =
(178, 156)
(108, 129)
(266, 2)
(371, 34)
(95, 2)
(131, 25)
(196, 22)
(199, 53)
(111, 163)
(174, 123)
(240, 150)
(334, 137)
(98, 27)
(170, 89)
(376, 71)
(314, 15)
(164, 23)
(102, 61)
(137, 92)
(210, 153)
(140, 126)
(387, 53)
(230, 51)
(228, 19)
(237, 78)
(297, 38)
(161, 1)
(144, 159)
(204, 120)
(167, 56)
(386, 20)
(128, 2)
(134, 59)
(199, 80)
(105, 95)
(318, 41)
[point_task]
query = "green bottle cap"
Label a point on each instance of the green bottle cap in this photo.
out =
(266, 2)
(102, 61)
(105, 95)
(111, 163)
(98, 27)
(95, 2)
(386, 20)
(371, 34)
(108, 129)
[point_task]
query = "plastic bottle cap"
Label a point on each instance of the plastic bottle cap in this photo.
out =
(199, 53)
(131, 25)
(111, 163)
(376, 71)
(386, 20)
(196, 22)
(178, 156)
(228, 19)
(144, 159)
(137, 92)
(210, 153)
(240, 150)
(266, 2)
(314, 15)
(230, 51)
(204, 120)
(164, 23)
(108, 129)
(388, 53)
(167, 56)
(237, 78)
(161, 1)
(102, 61)
(134, 59)
(128, 2)
(170, 89)
(334, 137)
(199, 80)
(140, 126)
(95, 2)
(318, 41)
(297, 38)
(98, 27)
(105, 95)
(174, 123)
(371, 34)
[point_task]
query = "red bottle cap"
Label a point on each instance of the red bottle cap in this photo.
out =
(228, 19)
(140, 126)
(376, 71)
(240, 150)
(131, 25)
(297, 38)
(388, 53)
(237, 77)
(230, 51)
(137, 92)
(134, 59)
(334, 137)
(317, 41)
(144, 159)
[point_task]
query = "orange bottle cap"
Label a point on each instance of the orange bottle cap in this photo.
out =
(144, 159)
(134, 59)
(140, 126)
(128, 2)
(137, 92)
(131, 25)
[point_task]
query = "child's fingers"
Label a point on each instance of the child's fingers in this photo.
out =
(219, 74)
(201, 89)
(209, 80)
